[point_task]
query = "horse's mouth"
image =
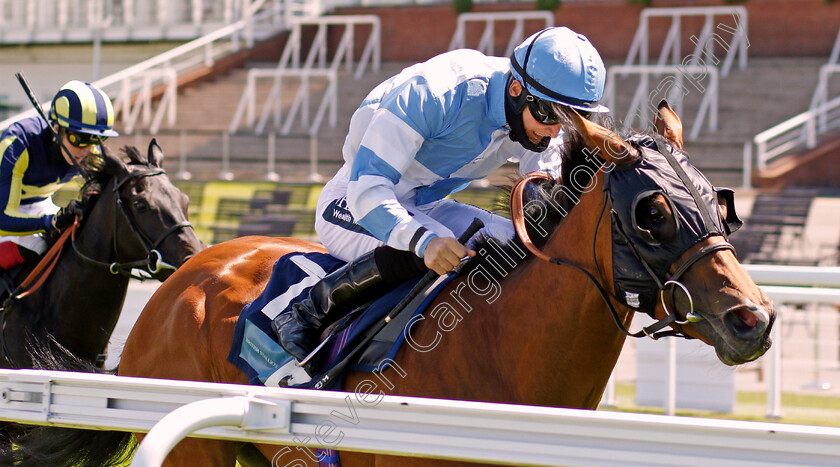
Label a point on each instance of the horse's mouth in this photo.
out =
(741, 334)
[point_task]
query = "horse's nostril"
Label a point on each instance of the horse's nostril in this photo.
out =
(747, 320)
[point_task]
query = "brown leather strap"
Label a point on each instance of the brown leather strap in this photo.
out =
(518, 216)
(47, 263)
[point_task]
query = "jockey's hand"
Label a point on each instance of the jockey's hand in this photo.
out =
(65, 216)
(442, 254)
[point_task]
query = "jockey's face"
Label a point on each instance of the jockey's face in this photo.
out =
(535, 130)
(79, 154)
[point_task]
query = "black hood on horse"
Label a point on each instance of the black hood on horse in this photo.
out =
(641, 261)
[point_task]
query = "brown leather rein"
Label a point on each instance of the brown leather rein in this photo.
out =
(46, 265)
(517, 213)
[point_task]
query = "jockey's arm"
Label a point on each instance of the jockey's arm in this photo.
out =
(13, 166)
(387, 150)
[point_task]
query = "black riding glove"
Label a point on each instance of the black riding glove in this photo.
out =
(65, 216)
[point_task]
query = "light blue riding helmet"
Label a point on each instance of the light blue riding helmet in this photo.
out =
(561, 66)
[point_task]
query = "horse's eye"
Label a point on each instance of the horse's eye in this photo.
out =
(654, 220)
(140, 205)
(656, 214)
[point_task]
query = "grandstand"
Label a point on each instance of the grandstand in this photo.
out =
(262, 91)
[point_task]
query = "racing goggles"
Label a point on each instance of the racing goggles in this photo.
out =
(545, 112)
(83, 140)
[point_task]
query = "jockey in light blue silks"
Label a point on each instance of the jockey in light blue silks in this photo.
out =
(34, 167)
(427, 133)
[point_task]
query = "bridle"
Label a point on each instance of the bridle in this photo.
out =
(654, 331)
(153, 263)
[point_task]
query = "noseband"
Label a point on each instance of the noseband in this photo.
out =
(668, 280)
(153, 263)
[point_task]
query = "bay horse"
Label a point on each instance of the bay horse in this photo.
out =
(136, 219)
(550, 336)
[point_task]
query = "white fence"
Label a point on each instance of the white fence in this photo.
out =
(794, 290)
(489, 20)
(704, 45)
(798, 132)
(674, 87)
(372, 422)
(289, 66)
(50, 21)
(157, 71)
(802, 130)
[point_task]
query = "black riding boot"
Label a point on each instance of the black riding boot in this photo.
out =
(329, 300)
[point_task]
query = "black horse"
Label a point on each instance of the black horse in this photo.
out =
(137, 219)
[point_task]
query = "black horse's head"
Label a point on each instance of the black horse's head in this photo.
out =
(149, 214)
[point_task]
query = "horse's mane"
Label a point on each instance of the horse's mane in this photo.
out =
(559, 196)
(101, 168)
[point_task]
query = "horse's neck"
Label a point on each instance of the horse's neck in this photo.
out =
(579, 342)
(546, 337)
(86, 298)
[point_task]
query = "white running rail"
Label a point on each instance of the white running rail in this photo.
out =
(486, 44)
(729, 34)
(368, 420)
(289, 65)
(673, 87)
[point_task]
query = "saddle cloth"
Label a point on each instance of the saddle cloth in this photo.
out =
(255, 349)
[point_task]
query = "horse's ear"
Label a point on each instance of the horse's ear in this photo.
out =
(155, 153)
(668, 124)
(606, 143)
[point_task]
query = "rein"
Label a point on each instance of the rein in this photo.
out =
(654, 331)
(153, 263)
(46, 264)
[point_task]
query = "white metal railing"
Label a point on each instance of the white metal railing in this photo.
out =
(788, 135)
(196, 53)
(489, 20)
(821, 92)
(39, 21)
(786, 285)
(674, 87)
(290, 65)
(704, 45)
(376, 422)
(300, 104)
(143, 102)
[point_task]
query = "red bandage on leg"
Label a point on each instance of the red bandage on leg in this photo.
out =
(10, 255)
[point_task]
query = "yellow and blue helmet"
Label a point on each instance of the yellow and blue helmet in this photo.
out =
(83, 108)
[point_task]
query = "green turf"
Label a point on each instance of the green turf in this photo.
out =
(800, 409)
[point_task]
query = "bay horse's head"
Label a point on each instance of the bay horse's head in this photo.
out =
(149, 214)
(671, 257)
(671, 254)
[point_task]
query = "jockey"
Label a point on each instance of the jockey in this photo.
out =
(34, 167)
(427, 133)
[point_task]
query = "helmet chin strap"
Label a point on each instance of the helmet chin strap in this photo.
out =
(514, 107)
